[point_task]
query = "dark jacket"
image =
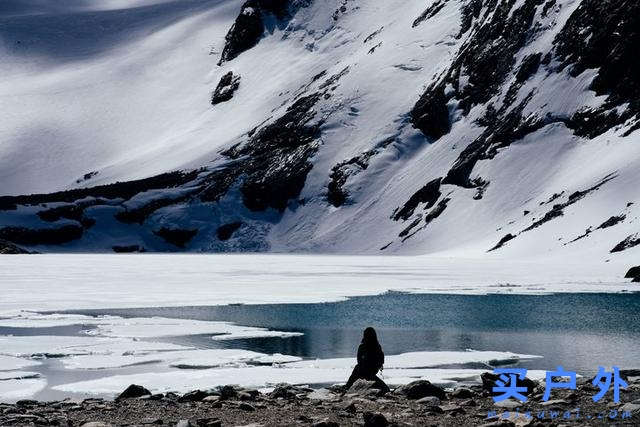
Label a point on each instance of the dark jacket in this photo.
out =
(370, 359)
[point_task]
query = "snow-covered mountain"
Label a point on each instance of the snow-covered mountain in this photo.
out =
(489, 127)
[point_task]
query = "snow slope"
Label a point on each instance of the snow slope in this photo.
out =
(389, 127)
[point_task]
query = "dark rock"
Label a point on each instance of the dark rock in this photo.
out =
(629, 242)
(7, 248)
(127, 249)
(463, 393)
(27, 402)
(502, 242)
(430, 12)
(246, 407)
(325, 423)
(374, 419)
(42, 236)
(140, 214)
(124, 190)
(193, 396)
(603, 35)
(73, 212)
(284, 391)
(133, 391)
(529, 67)
(208, 422)
(227, 392)
(249, 26)
(225, 232)
(175, 236)
(633, 273)
(428, 194)
(431, 114)
(227, 86)
(419, 389)
(614, 220)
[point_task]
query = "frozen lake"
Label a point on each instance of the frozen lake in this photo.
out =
(81, 325)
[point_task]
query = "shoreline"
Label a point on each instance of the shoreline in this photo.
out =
(418, 403)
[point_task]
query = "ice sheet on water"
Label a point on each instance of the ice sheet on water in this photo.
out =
(9, 363)
(140, 327)
(306, 372)
(11, 390)
(184, 359)
(62, 346)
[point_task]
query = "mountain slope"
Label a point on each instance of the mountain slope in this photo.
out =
(455, 126)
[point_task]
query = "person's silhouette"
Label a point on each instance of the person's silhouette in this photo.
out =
(370, 361)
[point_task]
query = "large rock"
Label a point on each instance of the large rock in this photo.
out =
(419, 389)
(227, 86)
(633, 273)
(194, 396)
(134, 391)
(7, 248)
(372, 419)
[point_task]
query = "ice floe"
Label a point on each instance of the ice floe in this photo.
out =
(401, 369)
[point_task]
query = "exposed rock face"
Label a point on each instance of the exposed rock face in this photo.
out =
(42, 236)
(604, 35)
(629, 242)
(7, 248)
(249, 26)
(428, 194)
(277, 157)
(176, 236)
(633, 273)
(225, 231)
(431, 114)
(227, 86)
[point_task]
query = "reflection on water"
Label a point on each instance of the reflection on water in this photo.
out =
(578, 331)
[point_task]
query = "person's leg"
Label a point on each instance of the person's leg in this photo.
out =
(355, 375)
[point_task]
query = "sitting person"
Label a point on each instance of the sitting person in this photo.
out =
(370, 361)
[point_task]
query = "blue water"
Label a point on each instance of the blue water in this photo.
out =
(577, 331)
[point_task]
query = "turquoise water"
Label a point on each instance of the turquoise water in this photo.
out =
(577, 331)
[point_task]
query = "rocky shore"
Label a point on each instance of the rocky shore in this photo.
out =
(419, 403)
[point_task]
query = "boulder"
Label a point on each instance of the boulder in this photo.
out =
(325, 423)
(463, 393)
(284, 391)
(376, 419)
(227, 392)
(419, 389)
(134, 391)
(429, 401)
(194, 396)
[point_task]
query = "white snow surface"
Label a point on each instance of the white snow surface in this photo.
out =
(129, 98)
(127, 281)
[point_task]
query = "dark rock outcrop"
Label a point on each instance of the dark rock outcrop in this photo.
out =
(41, 236)
(502, 242)
(633, 273)
(8, 248)
(127, 249)
(133, 391)
(176, 236)
(225, 232)
(249, 26)
(428, 194)
(123, 190)
(604, 35)
(431, 114)
(227, 86)
(629, 242)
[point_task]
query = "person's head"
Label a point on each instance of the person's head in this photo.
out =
(369, 337)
